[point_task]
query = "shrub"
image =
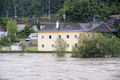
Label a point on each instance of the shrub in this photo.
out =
(38, 25)
(60, 47)
(23, 45)
(4, 41)
(118, 33)
(99, 46)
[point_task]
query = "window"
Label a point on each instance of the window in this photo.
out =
(59, 36)
(67, 45)
(52, 46)
(67, 36)
(76, 45)
(75, 36)
(43, 46)
(50, 37)
(59, 46)
(42, 37)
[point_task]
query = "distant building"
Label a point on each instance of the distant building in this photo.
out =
(69, 32)
(16, 48)
(3, 31)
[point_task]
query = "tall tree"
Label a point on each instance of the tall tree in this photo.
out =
(12, 30)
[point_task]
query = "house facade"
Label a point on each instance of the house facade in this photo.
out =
(69, 32)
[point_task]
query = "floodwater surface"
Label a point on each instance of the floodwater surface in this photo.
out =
(50, 67)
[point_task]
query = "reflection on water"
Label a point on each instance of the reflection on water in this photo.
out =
(50, 67)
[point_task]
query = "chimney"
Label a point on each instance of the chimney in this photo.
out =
(57, 24)
(91, 24)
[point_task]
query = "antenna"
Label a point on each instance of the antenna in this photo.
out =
(49, 10)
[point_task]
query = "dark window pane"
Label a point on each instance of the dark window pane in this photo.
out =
(52, 46)
(59, 36)
(43, 46)
(42, 37)
(67, 36)
(76, 45)
(75, 36)
(67, 45)
(50, 37)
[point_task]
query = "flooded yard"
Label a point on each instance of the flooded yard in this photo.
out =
(49, 67)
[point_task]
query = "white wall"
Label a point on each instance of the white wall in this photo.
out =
(16, 48)
(2, 33)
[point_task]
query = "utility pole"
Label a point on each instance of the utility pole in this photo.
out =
(7, 14)
(22, 11)
(16, 11)
(49, 10)
(64, 15)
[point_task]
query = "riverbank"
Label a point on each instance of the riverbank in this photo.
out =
(31, 52)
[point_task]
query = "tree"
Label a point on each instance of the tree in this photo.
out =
(23, 45)
(86, 10)
(60, 47)
(12, 30)
(118, 33)
(99, 46)
(38, 25)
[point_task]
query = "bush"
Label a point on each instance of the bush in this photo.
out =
(4, 41)
(118, 33)
(99, 46)
(60, 47)
(23, 46)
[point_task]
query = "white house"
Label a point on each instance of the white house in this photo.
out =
(16, 48)
(3, 31)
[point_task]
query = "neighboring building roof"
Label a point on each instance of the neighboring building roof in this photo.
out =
(67, 27)
(2, 28)
(105, 28)
(109, 26)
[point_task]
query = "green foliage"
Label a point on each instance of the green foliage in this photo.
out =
(30, 8)
(27, 31)
(12, 30)
(23, 45)
(3, 21)
(118, 32)
(31, 49)
(60, 47)
(99, 46)
(4, 41)
(38, 25)
(85, 10)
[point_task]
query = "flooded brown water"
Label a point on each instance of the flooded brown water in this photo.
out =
(49, 67)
